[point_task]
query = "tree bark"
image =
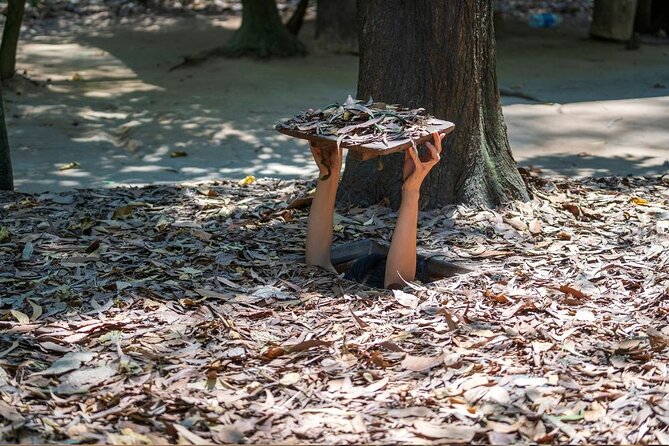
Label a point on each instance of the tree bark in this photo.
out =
(441, 56)
(660, 16)
(337, 25)
(10, 38)
(613, 19)
(6, 176)
(262, 33)
(296, 20)
(643, 16)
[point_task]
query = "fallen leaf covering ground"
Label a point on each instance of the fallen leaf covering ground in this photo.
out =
(182, 314)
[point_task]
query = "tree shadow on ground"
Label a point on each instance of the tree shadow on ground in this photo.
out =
(126, 106)
(576, 166)
(127, 114)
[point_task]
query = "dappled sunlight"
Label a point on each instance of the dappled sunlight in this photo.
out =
(607, 136)
(125, 115)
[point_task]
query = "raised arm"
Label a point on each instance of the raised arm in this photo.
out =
(401, 262)
(321, 215)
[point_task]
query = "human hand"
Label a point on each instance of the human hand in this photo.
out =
(328, 159)
(416, 168)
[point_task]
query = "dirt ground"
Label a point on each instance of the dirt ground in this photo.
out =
(108, 101)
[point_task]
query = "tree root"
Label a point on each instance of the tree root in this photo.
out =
(517, 94)
(263, 50)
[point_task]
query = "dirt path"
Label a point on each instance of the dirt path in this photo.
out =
(113, 106)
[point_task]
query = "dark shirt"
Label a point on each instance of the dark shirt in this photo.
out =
(370, 270)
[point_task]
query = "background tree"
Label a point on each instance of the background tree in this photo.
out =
(613, 19)
(294, 24)
(6, 176)
(10, 38)
(336, 25)
(440, 55)
(262, 33)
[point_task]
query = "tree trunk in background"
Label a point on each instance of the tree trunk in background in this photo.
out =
(337, 26)
(296, 20)
(660, 16)
(441, 56)
(6, 176)
(643, 17)
(613, 19)
(262, 33)
(10, 38)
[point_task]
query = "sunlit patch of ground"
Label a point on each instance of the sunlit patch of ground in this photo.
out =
(111, 104)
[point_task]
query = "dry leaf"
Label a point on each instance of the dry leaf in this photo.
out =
(406, 299)
(451, 433)
(20, 316)
(68, 166)
(595, 413)
(584, 315)
(516, 223)
(289, 379)
(123, 212)
(70, 361)
(422, 363)
(658, 340)
(535, 227)
(573, 291)
(573, 209)
(247, 180)
(189, 436)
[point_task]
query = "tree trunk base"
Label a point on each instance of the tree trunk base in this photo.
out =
(450, 71)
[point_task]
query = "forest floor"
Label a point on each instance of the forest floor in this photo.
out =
(101, 94)
(182, 314)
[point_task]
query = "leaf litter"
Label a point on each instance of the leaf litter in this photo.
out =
(183, 314)
(358, 122)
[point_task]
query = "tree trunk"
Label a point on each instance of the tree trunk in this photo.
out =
(337, 26)
(296, 20)
(613, 19)
(6, 177)
(643, 16)
(660, 16)
(262, 33)
(10, 38)
(441, 56)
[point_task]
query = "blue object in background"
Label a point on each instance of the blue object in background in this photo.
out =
(544, 20)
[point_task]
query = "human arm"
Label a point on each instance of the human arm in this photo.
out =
(401, 264)
(321, 215)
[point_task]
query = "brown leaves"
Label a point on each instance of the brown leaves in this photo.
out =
(573, 209)
(573, 292)
(275, 352)
(406, 299)
(82, 380)
(500, 298)
(449, 432)
(658, 340)
(422, 363)
(195, 311)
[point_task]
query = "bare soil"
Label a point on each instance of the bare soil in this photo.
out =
(106, 99)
